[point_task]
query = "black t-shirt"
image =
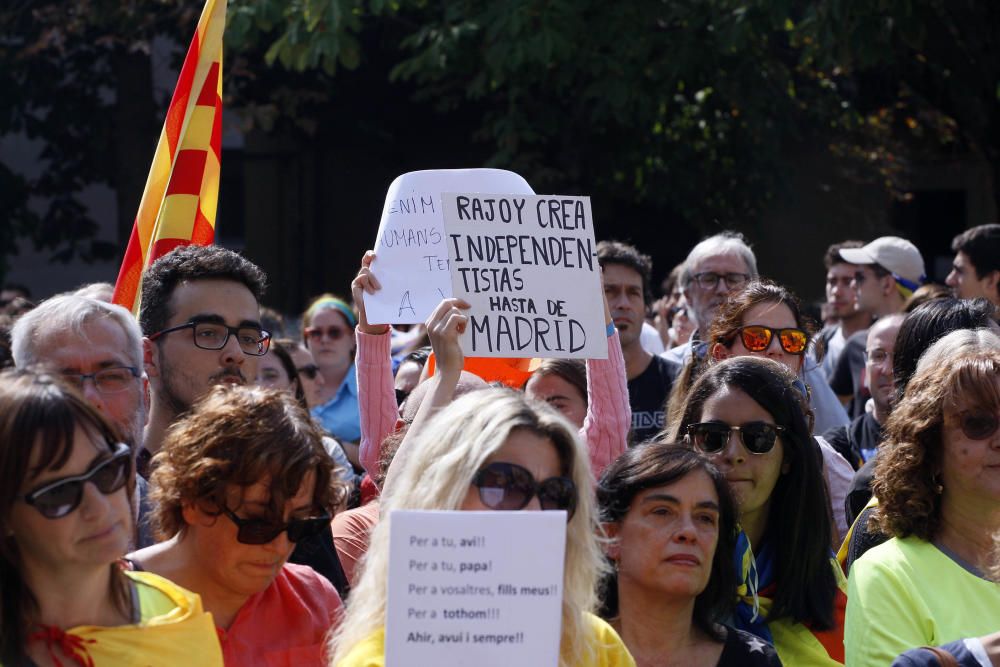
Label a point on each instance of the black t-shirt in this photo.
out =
(647, 396)
(743, 649)
(848, 375)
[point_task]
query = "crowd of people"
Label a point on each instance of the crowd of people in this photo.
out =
(746, 482)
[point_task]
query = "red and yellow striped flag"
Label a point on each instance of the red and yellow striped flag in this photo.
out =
(182, 189)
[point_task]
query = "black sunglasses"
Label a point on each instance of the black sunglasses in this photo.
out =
(979, 425)
(59, 497)
(262, 531)
(712, 437)
(508, 486)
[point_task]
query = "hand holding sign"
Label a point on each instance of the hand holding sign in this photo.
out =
(446, 324)
(366, 283)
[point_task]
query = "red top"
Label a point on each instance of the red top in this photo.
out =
(285, 624)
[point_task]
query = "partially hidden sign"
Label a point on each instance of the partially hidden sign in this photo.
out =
(528, 267)
(411, 260)
(477, 589)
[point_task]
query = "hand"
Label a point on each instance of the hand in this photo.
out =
(366, 281)
(444, 326)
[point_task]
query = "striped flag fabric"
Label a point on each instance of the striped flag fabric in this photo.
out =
(179, 201)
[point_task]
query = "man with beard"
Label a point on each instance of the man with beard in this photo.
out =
(96, 346)
(625, 274)
(200, 314)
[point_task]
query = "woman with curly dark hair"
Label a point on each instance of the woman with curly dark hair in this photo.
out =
(239, 480)
(938, 483)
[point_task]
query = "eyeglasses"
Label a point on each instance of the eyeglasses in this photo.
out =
(262, 531)
(979, 425)
(107, 380)
(309, 370)
(710, 279)
(757, 338)
(214, 336)
(712, 437)
(401, 395)
(878, 356)
(508, 486)
(58, 498)
(333, 333)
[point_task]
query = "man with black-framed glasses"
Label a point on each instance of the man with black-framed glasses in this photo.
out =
(200, 313)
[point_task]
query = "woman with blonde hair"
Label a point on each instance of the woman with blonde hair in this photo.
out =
(937, 478)
(482, 442)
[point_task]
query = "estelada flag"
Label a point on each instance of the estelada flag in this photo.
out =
(182, 189)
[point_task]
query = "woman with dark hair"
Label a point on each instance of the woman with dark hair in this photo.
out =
(766, 320)
(750, 418)
(66, 485)
(672, 523)
(562, 383)
(238, 482)
(937, 480)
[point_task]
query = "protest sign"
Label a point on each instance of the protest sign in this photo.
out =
(411, 261)
(528, 267)
(475, 588)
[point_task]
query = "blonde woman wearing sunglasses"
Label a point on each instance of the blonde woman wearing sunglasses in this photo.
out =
(66, 484)
(937, 478)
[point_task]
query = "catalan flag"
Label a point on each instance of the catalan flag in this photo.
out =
(182, 189)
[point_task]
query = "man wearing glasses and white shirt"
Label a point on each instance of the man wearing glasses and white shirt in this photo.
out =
(96, 346)
(722, 265)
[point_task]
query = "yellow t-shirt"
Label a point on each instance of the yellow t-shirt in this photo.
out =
(173, 630)
(908, 593)
(608, 649)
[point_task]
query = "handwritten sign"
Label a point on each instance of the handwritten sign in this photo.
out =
(528, 266)
(411, 260)
(475, 588)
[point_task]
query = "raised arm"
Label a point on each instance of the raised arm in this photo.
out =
(609, 417)
(376, 393)
(444, 326)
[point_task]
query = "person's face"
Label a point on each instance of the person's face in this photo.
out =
(623, 289)
(776, 316)
(752, 477)
(407, 377)
(706, 302)
(333, 342)
(185, 372)
(93, 535)
(970, 469)
(870, 290)
(245, 569)
(666, 541)
(103, 345)
(528, 450)
(840, 296)
(560, 394)
(271, 374)
(878, 363)
(965, 284)
(313, 387)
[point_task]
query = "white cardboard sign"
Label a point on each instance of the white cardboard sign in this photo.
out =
(527, 264)
(481, 589)
(411, 260)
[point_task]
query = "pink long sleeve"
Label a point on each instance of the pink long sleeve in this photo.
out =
(609, 417)
(376, 395)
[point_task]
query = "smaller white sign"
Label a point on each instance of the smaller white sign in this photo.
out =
(411, 260)
(527, 265)
(481, 589)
